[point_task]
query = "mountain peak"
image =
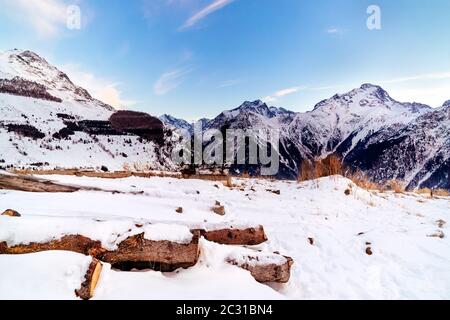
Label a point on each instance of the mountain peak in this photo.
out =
(25, 66)
(366, 95)
(366, 86)
(256, 103)
(446, 103)
(25, 56)
(376, 91)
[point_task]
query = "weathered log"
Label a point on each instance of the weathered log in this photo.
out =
(264, 272)
(135, 252)
(73, 243)
(30, 184)
(91, 277)
(234, 236)
(104, 175)
(139, 253)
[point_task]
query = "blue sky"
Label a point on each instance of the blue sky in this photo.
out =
(195, 58)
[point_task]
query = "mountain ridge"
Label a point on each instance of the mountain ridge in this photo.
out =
(45, 118)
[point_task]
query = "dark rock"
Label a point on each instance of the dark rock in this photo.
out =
(140, 124)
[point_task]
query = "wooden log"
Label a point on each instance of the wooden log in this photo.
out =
(91, 277)
(279, 270)
(30, 184)
(135, 252)
(235, 236)
(73, 243)
(104, 175)
(139, 253)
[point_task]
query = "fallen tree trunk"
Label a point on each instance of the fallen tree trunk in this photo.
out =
(32, 184)
(92, 276)
(104, 175)
(233, 236)
(265, 267)
(73, 243)
(139, 253)
(135, 252)
(29, 184)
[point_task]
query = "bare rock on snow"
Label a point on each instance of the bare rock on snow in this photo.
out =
(441, 223)
(438, 234)
(11, 213)
(263, 272)
(218, 209)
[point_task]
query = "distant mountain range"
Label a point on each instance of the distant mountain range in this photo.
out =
(367, 128)
(47, 120)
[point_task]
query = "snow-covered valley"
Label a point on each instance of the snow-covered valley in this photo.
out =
(346, 242)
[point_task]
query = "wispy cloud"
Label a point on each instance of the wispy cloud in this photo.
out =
(431, 88)
(47, 17)
(282, 93)
(434, 95)
(102, 89)
(170, 80)
(203, 13)
(427, 76)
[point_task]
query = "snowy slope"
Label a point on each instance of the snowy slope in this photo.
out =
(407, 262)
(177, 123)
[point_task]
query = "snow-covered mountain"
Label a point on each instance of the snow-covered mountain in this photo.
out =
(418, 153)
(359, 126)
(177, 123)
(45, 119)
(338, 123)
(256, 114)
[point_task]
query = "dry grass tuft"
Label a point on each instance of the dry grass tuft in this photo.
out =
(433, 193)
(441, 193)
(330, 166)
(362, 181)
(396, 186)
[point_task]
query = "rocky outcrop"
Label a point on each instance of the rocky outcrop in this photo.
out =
(138, 123)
